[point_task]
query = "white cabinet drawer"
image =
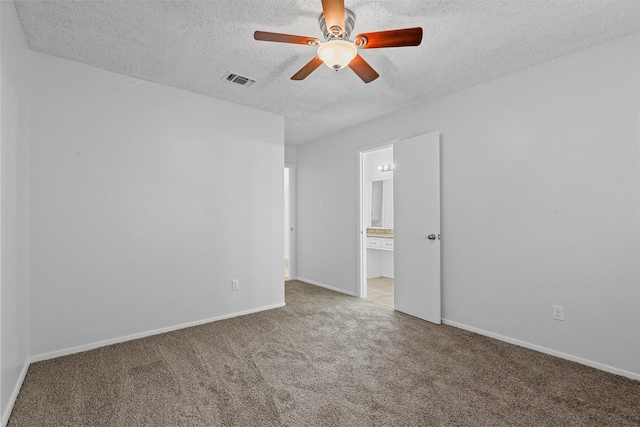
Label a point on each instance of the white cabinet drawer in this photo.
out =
(373, 243)
(382, 244)
(387, 244)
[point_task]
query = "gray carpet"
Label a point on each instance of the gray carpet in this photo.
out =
(325, 359)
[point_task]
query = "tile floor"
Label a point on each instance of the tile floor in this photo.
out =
(380, 291)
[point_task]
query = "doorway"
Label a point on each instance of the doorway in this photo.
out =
(289, 222)
(377, 220)
(414, 236)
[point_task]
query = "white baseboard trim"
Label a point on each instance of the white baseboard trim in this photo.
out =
(85, 347)
(14, 394)
(545, 350)
(322, 285)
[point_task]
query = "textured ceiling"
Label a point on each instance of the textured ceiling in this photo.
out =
(192, 44)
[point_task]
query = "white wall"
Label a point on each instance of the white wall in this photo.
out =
(290, 154)
(146, 201)
(540, 204)
(14, 59)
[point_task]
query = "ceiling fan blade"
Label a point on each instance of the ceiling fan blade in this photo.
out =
(285, 38)
(307, 69)
(391, 38)
(333, 11)
(363, 69)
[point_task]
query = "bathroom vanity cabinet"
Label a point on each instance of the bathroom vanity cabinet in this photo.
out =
(379, 244)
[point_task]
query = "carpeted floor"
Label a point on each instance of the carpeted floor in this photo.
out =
(325, 359)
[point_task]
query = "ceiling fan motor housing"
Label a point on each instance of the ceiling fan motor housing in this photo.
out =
(342, 33)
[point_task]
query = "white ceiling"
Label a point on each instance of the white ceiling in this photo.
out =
(192, 44)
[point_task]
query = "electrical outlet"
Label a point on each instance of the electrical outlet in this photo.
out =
(558, 313)
(235, 284)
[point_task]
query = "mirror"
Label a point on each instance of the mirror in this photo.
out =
(382, 203)
(376, 203)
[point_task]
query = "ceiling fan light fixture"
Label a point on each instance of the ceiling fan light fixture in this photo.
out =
(338, 51)
(337, 54)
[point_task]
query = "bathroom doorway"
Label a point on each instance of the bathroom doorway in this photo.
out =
(377, 220)
(413, 235)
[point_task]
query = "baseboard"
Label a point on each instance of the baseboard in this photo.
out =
(78, 349)
(545, 350)
(14, 394)
(322, 285)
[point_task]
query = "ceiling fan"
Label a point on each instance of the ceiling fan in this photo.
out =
(338, 51)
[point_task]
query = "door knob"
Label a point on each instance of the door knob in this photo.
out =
(431, 237)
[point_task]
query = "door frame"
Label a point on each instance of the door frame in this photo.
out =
(362, 236)
(292, 220)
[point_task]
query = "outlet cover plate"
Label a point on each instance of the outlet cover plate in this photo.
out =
(558, 312)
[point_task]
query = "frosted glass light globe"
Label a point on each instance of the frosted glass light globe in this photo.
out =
(337, 54)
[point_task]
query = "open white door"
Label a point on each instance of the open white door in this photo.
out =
(416, 231)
